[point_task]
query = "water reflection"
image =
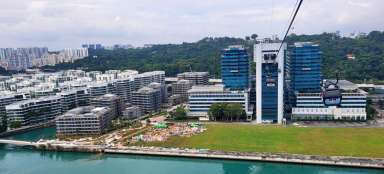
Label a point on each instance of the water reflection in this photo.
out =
(235, 167)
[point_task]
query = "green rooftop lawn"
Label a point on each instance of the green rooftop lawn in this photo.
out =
(359, 142)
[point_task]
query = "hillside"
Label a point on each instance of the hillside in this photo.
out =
(204, 55)
(368, 51)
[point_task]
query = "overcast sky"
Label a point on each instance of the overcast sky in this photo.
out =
(69, 23)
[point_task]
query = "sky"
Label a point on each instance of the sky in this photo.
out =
(61, 24)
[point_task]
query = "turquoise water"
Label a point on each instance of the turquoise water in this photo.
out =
(14, 160)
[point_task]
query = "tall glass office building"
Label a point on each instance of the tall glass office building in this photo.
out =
(235, 68)
(305, 67)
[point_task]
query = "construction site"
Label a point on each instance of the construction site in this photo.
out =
(155, 129)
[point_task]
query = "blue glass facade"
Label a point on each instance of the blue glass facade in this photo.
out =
(305, 67)
(235, 68)
(269, 91)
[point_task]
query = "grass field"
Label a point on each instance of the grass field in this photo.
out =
(359, 142)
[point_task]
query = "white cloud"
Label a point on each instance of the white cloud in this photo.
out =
(68, 23)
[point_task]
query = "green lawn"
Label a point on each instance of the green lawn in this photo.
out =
(361, 142)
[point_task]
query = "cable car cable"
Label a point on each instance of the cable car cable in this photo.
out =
(290, 25)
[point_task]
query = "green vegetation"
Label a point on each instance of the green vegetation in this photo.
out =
(368, 52)
(359, 142)
(179, 114)
(225, 112)
(204, 55)
(3, 122)
(371, 111)
(15, 124)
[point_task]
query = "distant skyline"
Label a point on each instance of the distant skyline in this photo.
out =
(61, 24)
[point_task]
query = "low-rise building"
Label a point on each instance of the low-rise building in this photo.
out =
(310, 106)
(33, 111)
(124, 88)
(181, 88)
(109, 100)
(7, 98)
(87, 120)
(131, 112)
(144, 79)
(175, 100)
(200, 98)
(147, 99)
(73, 98)
(196, 78)
(162, 88)
(96, 89)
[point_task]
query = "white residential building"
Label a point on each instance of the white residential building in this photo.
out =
(200, 98)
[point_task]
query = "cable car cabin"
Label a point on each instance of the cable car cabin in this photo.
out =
(271, 82)
(332, 97)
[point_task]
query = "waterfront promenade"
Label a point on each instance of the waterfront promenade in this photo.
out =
(53, 145)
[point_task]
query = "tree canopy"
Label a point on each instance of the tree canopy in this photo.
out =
(225, 111)
(179, 113)
(204, 55)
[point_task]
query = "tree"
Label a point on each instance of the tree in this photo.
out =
(371, 112)
(3, 122)
(236, 110)
(15, 124)
(254, 36)
(179, 113)
(225, 111)
(175, 58)
(215, 111)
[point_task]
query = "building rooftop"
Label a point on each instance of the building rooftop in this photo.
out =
(85, 111)
(215, 81)
(17, 105)
(6, 94)
(302, 44)
(235, 47)
(71, 91)
(183, 82)
(145, 90)
(151, 73)
(154, 85)
(171, 79)
(207, 88)
(106, 97)
(345, 85)
(97, 84)
(193, 73)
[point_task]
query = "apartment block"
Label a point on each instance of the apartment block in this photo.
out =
(87, 120)
(196, 78)
(109, 100)
(147, 99)
(34, 111)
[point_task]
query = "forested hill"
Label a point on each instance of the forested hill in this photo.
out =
(368, 52)
(204, 55)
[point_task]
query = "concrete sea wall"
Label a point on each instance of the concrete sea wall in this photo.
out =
(194, 153)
